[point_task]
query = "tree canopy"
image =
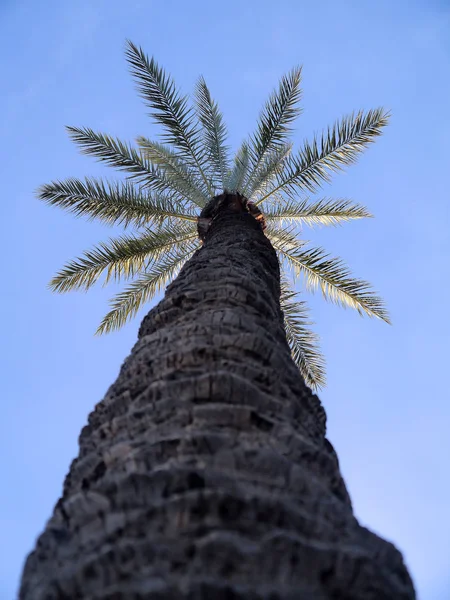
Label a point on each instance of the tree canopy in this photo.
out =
(167, 183)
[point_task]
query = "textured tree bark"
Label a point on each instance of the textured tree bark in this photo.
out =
(205, 472)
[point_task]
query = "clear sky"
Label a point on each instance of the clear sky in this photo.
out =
(387, 397)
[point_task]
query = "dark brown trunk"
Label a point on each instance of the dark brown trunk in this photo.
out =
(205, 473)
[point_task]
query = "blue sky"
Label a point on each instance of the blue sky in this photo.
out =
(387, 398)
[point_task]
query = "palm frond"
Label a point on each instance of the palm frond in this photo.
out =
(121, 258)
(279, 112)
(329, 274)
(174, 168)
(325, 211)
(284, 236)
(214, 132)
(171, 110)
(235, 178)
(113, 203)
(265, 174)
(126, 304)
(338, 147)
(303, 342)
(125, 158)
(110, 150)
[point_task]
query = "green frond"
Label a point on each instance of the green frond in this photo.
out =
(122, 258)
(214, 132)
(265, 174)
(303, 342)
(174, 168)
(170, 109)
(110, 150)
(235, 178)
(329, 274)
(125, 158)
(279, 112)
(113, 203)
(126, 304)
(321, 212)
(338, 147)
(283, 236)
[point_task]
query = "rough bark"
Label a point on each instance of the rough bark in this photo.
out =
(205, 472)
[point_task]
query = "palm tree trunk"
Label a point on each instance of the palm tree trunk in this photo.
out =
(205, 473)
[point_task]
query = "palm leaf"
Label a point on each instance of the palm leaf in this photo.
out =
(126, 304)
(330, 274)
(285, 237)
(214, 132)
(113, 203)
(321, 212)
(279, 112)
(121, 258)
(339, 146)
(303, 342)
(170, 110)
(235, 179)
(174, 168)
(267, 171)
(110, 150)
(122, 156)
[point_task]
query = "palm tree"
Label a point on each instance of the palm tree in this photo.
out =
(205, 471)
(168, 184)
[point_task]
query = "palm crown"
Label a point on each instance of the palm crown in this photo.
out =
(168, 183)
